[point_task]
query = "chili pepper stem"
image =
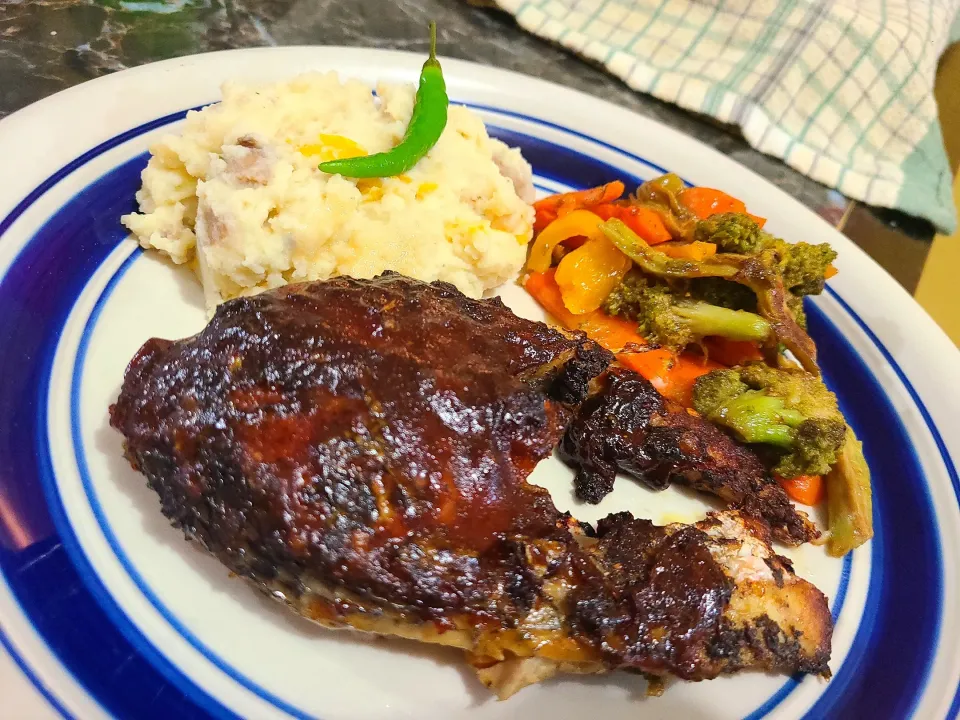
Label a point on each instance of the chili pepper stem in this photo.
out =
(433, 44)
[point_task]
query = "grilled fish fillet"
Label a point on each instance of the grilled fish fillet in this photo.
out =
(360, 448)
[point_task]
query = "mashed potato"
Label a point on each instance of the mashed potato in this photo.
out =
(237, 193)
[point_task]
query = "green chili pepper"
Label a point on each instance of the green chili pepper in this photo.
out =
(427, 122)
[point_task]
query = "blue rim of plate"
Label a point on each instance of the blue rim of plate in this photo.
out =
(153, 672)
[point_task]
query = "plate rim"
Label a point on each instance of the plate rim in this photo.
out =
(473, 67)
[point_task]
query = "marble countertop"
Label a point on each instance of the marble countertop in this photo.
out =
(48, 45)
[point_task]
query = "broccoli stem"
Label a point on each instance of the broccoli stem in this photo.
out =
(660, 264)
(704, 319)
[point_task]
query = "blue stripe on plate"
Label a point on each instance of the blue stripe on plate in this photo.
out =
(914, 395)
(941, 446)
(86, 632)
(562, 164)
(82, 160)
(659, 169)
(71, 541)
(888, 664)
(28, 671)
(32, 295)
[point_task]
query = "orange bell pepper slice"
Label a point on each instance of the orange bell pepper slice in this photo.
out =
(574, 223)
(606, 211)
(646, 223)
(589, 273)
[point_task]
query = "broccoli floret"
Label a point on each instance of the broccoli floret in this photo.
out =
(760, 273)
(814, 451)
(795, 306)
(627, 295)
(790, 410)
(804, 266)
(723, 397)
(666, 317)
(732, 232)
(715, 389)
(724, 293)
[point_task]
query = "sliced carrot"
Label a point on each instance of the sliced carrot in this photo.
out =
(761, 221)
(613, 333)
(696, 250)
(671, 374)
(830, 272)
(610, 332)
(643, 221)
(704, 202)
(544, 289)
(732, 352)
(606, 210)
(550, 208)
(805, 489)
(646, 223)
(543, 218)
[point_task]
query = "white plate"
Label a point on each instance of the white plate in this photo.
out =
(105, 610)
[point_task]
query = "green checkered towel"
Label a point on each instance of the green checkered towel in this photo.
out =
(842, 90)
